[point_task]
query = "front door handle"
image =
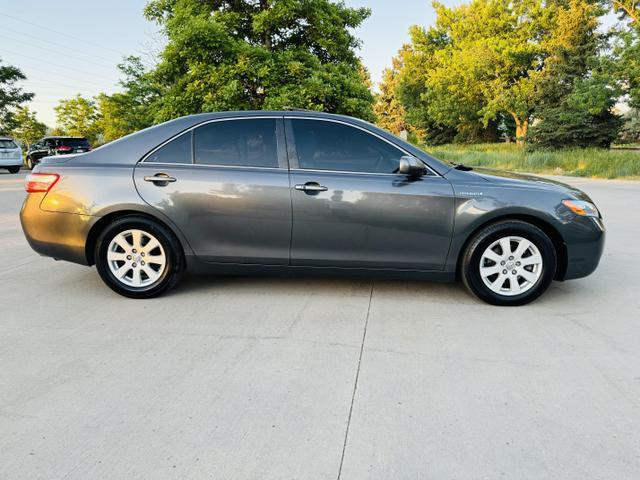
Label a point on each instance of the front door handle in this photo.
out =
(160, 179)
(311, 187)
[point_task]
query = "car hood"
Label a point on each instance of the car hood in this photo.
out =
(512, 179)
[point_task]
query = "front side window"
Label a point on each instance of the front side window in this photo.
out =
(242, 143)
(323, 145)
(177, 150)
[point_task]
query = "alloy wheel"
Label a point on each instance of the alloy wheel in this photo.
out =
(511, 266)
(136, 258)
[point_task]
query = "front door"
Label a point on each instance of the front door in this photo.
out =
(225, 185)
(352, 209)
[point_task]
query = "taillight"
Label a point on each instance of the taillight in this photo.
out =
(40, 182)
(64, 148)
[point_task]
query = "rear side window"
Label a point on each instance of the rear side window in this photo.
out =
(177, 150)
(241, 143)
(8, 144)
(323, 145)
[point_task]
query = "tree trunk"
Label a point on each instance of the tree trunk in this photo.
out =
(522, 125)
(266, 39)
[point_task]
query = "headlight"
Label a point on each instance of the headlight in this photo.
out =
(582, 208)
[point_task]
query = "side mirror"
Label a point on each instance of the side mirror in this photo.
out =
(411, 166)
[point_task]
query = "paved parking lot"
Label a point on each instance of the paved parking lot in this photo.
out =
(262, 378)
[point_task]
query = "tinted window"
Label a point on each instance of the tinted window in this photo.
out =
(333, 146)
(176, 151)
(7, 144)
(74, 142)
(244, 143)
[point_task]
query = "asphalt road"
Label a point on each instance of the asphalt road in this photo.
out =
(258, 378)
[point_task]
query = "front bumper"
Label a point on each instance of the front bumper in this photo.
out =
(54, 234)
(584, 238)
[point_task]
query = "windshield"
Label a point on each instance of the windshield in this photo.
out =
(4, 144)
(74, 142)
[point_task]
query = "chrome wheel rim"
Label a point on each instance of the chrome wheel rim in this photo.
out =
(136, 258)
(511, 266)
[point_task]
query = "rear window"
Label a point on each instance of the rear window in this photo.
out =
(238, 143)
(74, 142)
(8, 144)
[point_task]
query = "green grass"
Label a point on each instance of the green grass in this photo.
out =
(590, 162)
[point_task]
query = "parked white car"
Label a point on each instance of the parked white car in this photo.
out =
(10, 155)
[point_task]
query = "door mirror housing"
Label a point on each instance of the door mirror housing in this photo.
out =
(411, 166)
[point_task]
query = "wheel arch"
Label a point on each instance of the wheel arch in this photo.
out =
(548, 228)
(105, 220)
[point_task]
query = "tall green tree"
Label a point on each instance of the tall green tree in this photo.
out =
(78, 116)
(492, 58)
(131, 110)
(11, 95)
(626, 65)
(577, 91)
(416, 95)
(390, 114)
(27, 129)
(259, 54)
(490, 67)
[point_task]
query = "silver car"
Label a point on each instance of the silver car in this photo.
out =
(10, 155)
(303, 193)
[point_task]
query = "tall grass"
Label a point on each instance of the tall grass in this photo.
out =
(590, 162)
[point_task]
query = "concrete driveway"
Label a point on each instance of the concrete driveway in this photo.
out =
(262, 378)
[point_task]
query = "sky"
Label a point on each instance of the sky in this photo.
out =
(67, 47)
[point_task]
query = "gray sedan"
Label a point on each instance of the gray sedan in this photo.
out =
(303, 193)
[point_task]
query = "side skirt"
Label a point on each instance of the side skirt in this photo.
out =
(199, 267)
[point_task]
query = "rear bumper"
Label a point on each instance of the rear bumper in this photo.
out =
(53, 234)
(10, 162)
(585, 238)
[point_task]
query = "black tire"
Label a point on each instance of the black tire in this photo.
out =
(470, 265)
(29, 163)
(175, 263)
(13, 169)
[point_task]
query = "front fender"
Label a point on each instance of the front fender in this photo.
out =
(480, 205)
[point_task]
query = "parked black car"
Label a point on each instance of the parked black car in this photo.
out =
(48, 146)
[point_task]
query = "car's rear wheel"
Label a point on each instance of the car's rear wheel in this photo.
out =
(509, 263)
(138, 258)
(13, 169)
(29, 163)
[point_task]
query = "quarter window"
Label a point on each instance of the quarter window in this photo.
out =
(242, 143)
(322, 145)
(176, 151)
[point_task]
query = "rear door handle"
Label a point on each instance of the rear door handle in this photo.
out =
(160, 179)
(311, 187)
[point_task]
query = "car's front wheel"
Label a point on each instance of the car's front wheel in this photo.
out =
(509, 263)
(13, 169)
(138, 258)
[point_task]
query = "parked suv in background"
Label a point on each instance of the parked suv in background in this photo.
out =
(55, 146)
(10, 155)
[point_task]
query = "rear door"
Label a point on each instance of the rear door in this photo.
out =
(352, 209)
(225, 185)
